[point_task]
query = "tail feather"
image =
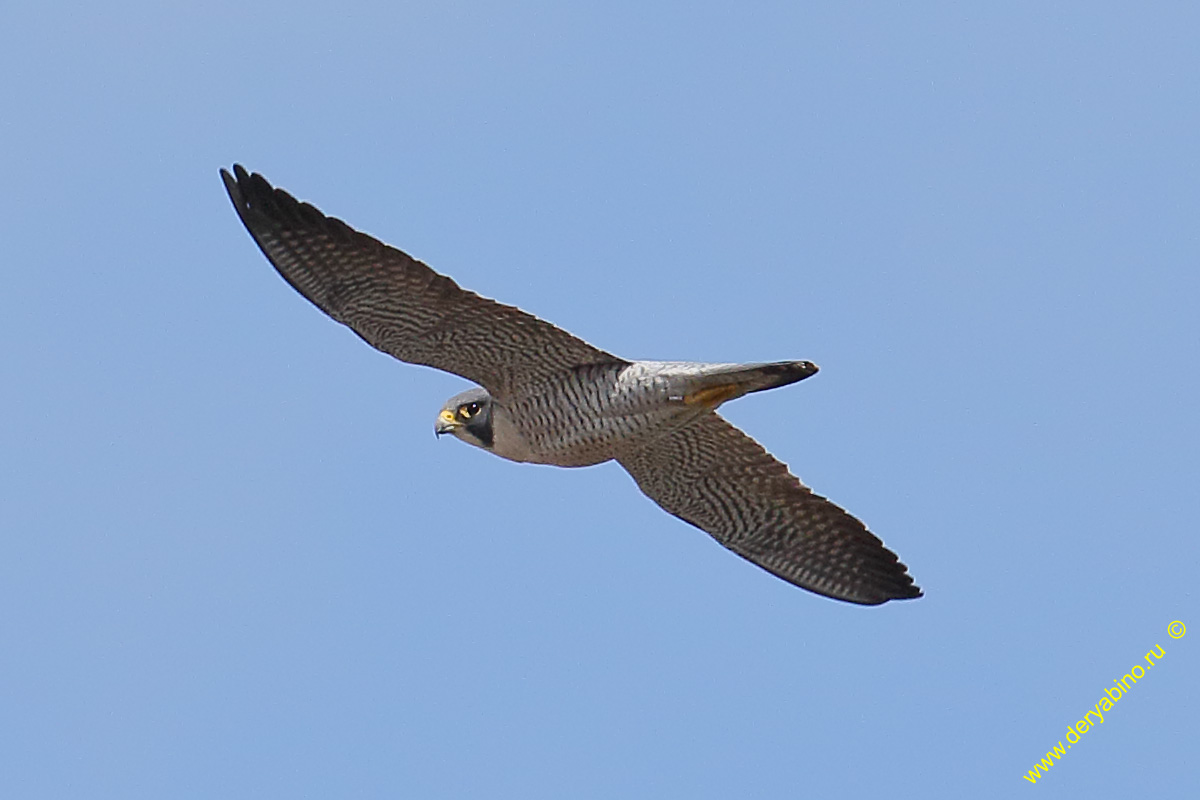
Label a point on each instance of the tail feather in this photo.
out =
(779, 373)
(725, 384)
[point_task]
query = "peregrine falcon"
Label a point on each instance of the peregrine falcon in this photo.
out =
(548, 397)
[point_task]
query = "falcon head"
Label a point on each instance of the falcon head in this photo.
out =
(469, 417)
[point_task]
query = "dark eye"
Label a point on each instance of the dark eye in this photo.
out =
(469, 410)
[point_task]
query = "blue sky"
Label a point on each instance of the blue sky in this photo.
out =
(235, 562)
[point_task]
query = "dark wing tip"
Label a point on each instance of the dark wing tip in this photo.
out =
(266, 211)
(255, 198)
(241, 188)
(884, 576)
(900, 587)
(843, 560)
(881, 577)
(231, 186)
(239, 185)
(262, 206)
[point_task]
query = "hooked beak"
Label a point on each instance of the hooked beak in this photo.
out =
(446, 423)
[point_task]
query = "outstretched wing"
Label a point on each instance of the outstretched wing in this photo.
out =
(396, 303)
(717, 478)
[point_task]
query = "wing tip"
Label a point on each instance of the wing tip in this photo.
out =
(249, 190)
(876, 593)
(243, 192)
(897, 584)
(909, 592)
(234, 190)
(872, 581)
(261, 205)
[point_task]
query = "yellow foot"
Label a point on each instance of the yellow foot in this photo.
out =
(713, 396)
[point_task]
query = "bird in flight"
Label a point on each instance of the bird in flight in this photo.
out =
(547, 397)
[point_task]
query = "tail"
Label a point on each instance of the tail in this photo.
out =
(732, 381)
(761, 377)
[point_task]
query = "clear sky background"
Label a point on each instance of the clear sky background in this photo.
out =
(235, 562)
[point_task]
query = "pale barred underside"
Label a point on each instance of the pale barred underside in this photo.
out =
(706, 472)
